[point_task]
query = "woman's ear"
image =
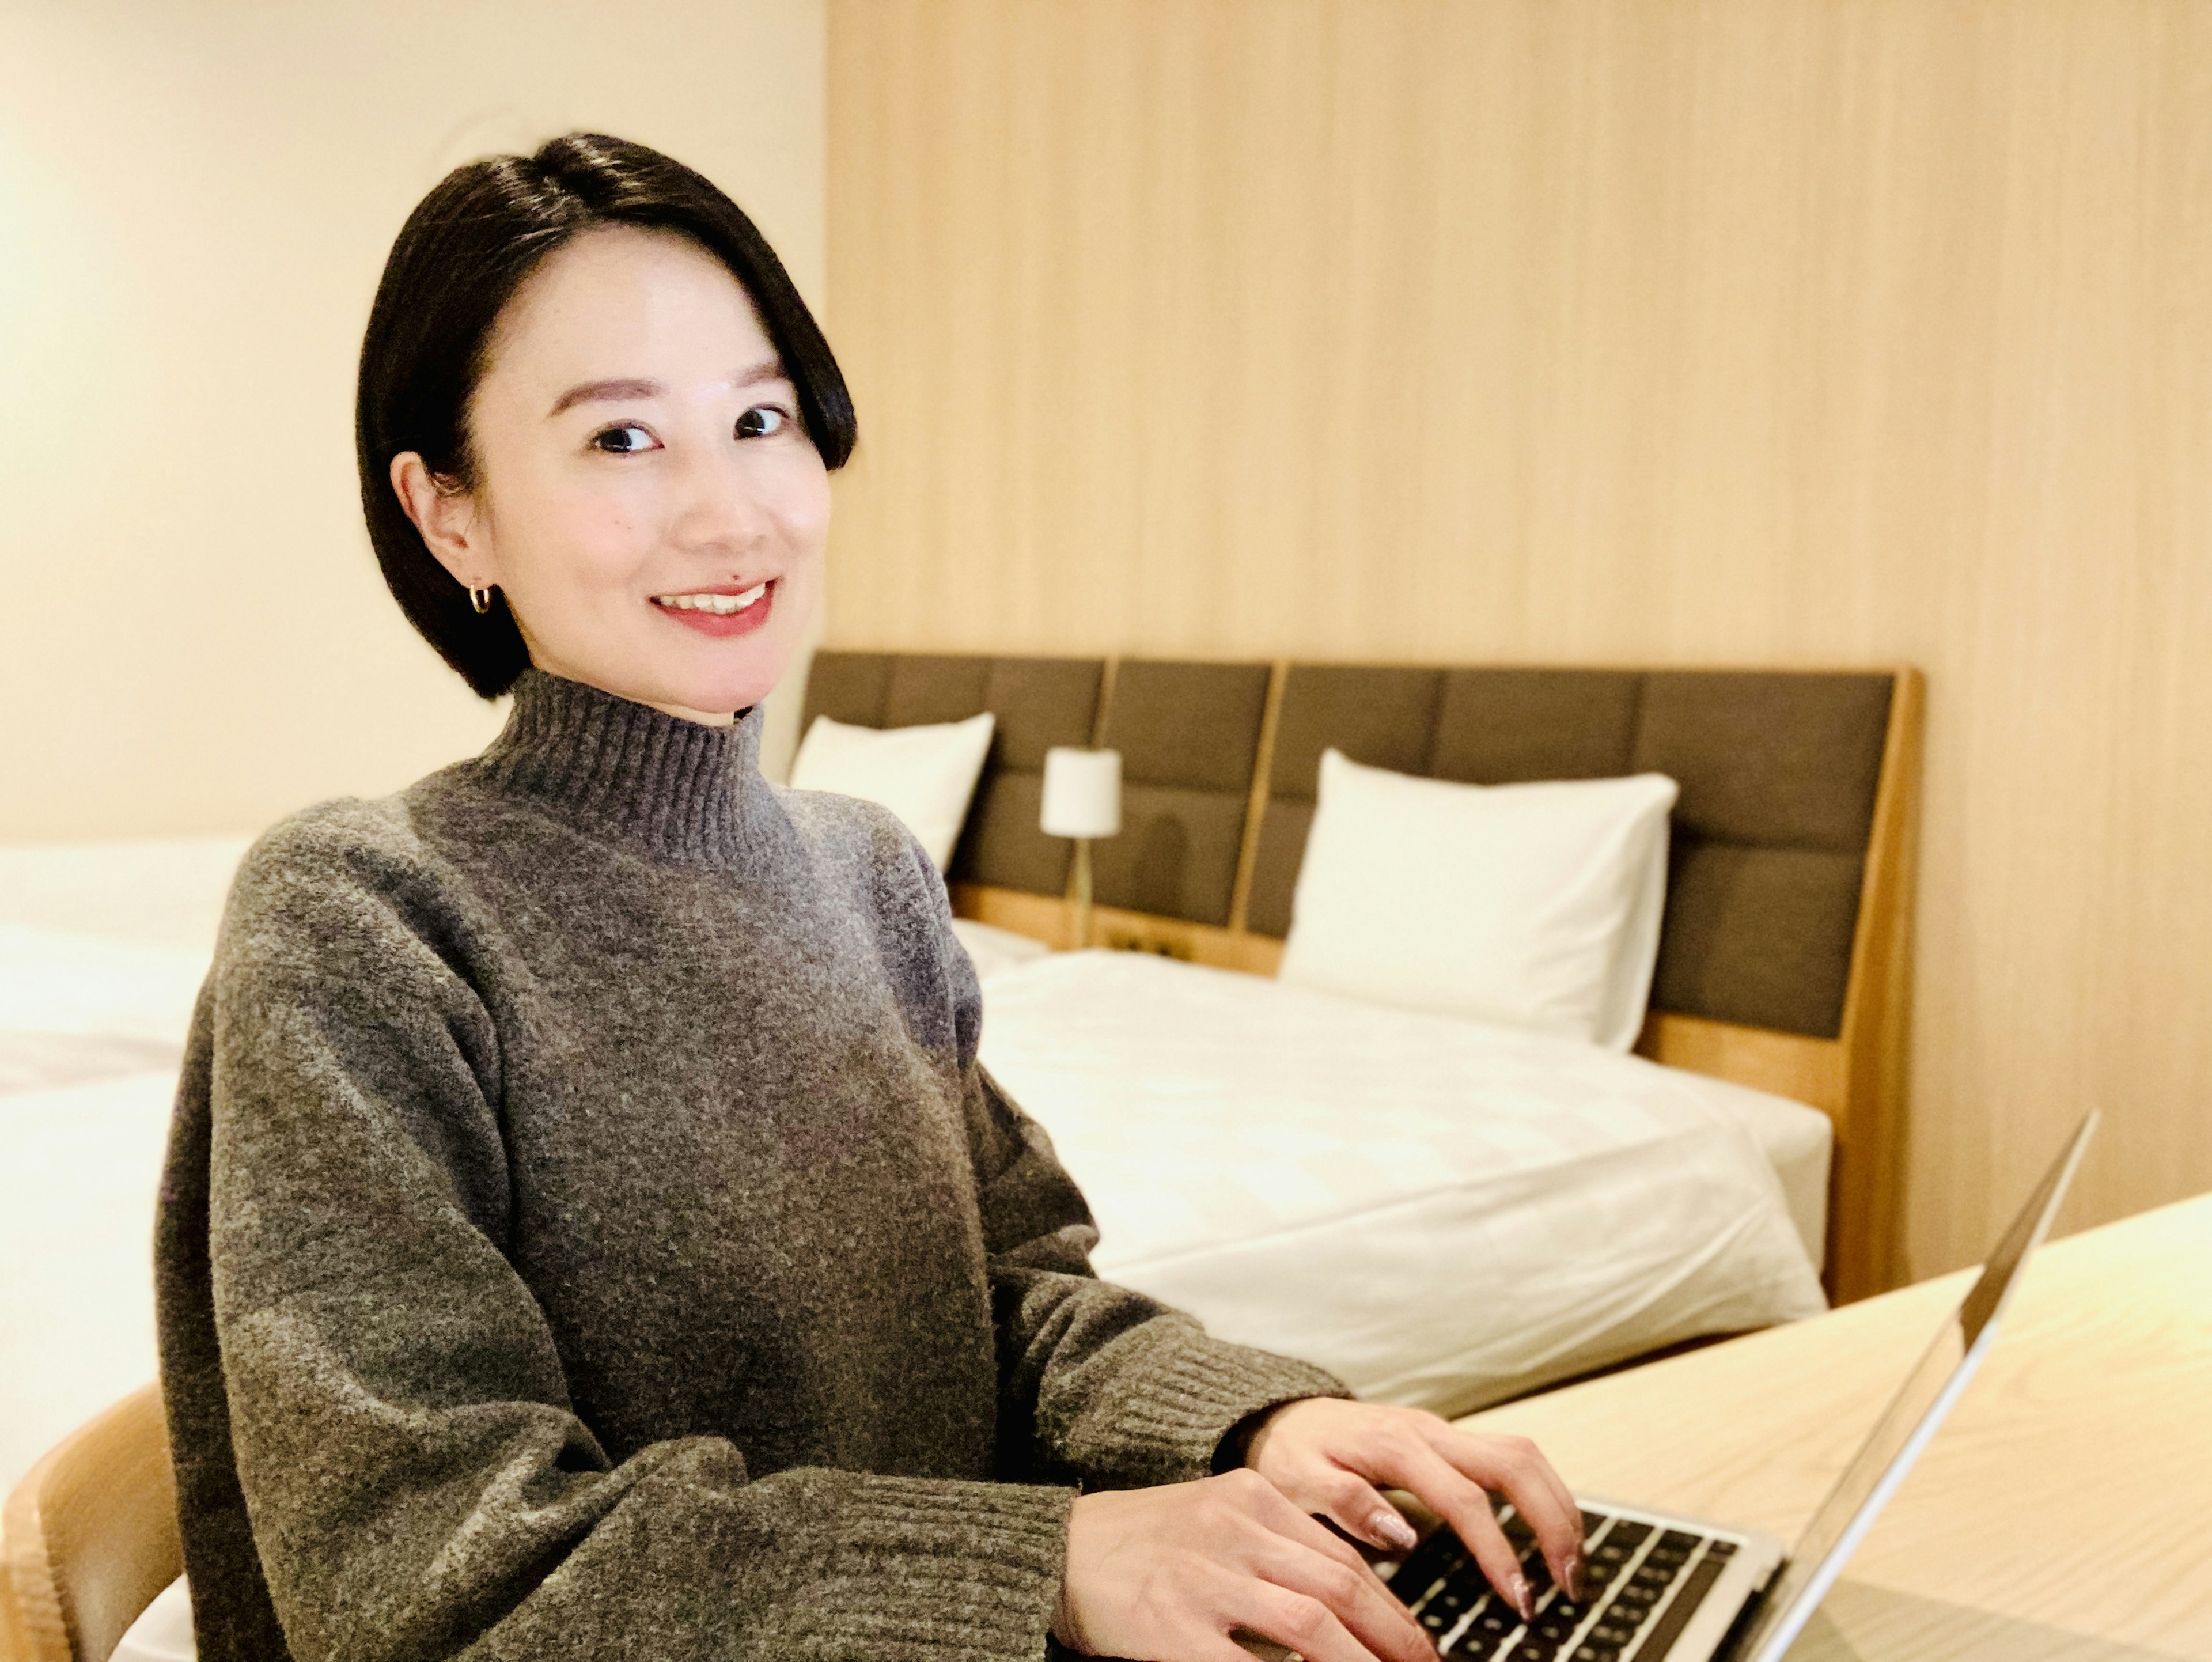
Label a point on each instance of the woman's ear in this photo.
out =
(446, 519)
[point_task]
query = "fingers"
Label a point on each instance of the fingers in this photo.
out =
(1515, 1466)
(1327, 1455)
(1205, 1645)
(1357, 1507)
(1295, 1552)
(1411, 1463)
(1307, 1625)
(1175, 1571)
(1354, 1596)
(1266, 1505)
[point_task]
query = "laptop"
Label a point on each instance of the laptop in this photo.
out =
(1663, 1588)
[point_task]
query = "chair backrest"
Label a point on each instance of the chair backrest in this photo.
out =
(89, 1538)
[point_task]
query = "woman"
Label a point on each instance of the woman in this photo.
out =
(587, 1230)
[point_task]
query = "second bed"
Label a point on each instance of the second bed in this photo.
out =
(1441, 1212)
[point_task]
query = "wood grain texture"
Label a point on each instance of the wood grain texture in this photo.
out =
(1793, 1065)
(1735, 331)
(1867, 1183)
(2059, 1512)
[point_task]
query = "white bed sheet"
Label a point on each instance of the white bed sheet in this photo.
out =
(1798, 1142)
(1440, 1212)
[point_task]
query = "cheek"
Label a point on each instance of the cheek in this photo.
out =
(583, 537)
(802, 510)
(610, 534)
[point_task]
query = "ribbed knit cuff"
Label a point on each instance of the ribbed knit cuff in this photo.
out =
(915, 1568)
(1171, 1411)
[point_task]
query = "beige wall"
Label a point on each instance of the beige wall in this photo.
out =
(195, 203)
(1751, 332)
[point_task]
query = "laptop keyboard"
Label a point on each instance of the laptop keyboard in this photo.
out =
(1643, 1582)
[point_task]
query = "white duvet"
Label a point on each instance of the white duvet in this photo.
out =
(1441, 1213)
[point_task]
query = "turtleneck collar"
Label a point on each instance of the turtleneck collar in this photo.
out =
(677, 790)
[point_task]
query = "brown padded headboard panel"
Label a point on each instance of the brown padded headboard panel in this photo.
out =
(1777, 771)
(1189, 738)
(1039, 702)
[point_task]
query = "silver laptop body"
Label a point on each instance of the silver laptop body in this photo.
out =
(1665, 1588)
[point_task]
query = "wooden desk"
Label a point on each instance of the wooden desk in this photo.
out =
(2065, 1511)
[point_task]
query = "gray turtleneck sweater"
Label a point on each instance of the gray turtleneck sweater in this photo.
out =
(588, 1233)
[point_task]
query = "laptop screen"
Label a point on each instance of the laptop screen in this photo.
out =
(1906, 1426)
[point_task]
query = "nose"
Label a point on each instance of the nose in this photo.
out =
(718, 510)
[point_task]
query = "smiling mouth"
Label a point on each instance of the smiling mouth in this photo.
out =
(721, 605)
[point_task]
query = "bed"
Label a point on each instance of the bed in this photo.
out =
(1446, 1213)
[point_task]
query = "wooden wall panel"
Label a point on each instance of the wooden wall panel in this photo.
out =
(1721, 331)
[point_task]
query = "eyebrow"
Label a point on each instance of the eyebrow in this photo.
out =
(620, 388)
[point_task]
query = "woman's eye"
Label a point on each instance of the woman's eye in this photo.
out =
(626, 440)
(761, 421)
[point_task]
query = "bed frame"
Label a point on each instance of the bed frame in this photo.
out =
(1785, 959)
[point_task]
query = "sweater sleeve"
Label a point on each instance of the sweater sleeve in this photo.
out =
(351, 1361)
(1097, 1383)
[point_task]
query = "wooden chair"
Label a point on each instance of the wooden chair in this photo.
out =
(89, 1538)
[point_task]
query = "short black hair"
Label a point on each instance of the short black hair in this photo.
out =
(459, 259)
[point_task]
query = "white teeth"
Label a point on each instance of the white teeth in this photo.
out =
(722, 605)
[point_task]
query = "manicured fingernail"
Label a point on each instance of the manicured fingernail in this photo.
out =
(1523, 1600)
(1575, 1577)
(1393, 1530)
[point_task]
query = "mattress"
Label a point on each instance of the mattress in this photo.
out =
(1440, 1212)
(1796, 1140)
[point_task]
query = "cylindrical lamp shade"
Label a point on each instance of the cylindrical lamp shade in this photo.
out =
(1082, 792)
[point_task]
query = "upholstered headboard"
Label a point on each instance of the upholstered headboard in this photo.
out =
(1189, 738)
(1768, 838)
(1784, 958)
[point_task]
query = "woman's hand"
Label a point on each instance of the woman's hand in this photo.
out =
(1327, 1456)
(1170, 1572)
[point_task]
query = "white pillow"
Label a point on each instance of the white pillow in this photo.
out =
(1533, 906)
(925, 775)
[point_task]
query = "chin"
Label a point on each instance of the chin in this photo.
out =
(718, 687)
(707, 677)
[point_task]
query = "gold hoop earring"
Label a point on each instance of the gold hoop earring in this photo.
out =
(480, 599)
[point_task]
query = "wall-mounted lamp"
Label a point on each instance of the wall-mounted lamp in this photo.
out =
(1082, 799)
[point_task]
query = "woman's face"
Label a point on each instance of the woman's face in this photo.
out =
(644, 496)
